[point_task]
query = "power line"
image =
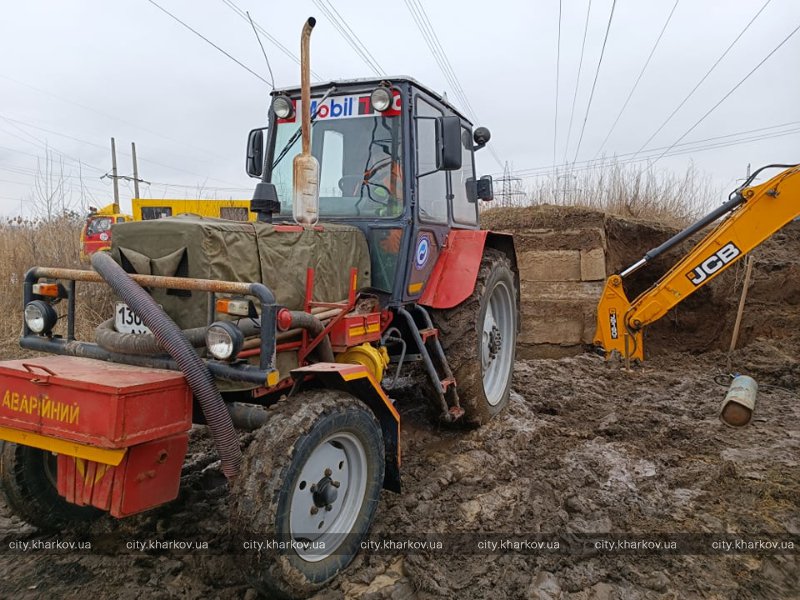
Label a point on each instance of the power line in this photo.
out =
(704, 77)
(208, 41)
(103, 147)
(558, 65)
(182, 144)
(594, 83)
(264, 52)
(683, 145)
(594, 164)
(243, 15)
(725, 97)
(423, 23)
(38, 142)
(349, 36)
(577, 81)
(639, 78)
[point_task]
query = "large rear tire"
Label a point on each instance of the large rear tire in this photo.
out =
(479, 337)
(28, 483)
(313, 474)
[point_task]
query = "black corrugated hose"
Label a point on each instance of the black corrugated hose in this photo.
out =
(178, 347)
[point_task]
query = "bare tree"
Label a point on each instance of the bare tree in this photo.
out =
(52, 192)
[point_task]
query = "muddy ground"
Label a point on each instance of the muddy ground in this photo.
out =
(584, 447)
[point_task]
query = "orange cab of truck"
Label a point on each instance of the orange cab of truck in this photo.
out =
(96, 232)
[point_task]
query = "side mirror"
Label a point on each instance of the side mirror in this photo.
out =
(448, 139)
(485, 190)
(480, 189)
(255, 153)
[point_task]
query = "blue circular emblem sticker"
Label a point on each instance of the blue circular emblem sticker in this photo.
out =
(422, 253)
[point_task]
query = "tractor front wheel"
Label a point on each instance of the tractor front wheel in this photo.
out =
(479, 337)
(28, 483)
(310, 483)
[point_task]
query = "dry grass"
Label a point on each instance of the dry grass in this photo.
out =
(623, 190)
(52, 243)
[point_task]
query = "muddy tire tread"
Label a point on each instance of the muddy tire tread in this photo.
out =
(271, 451)
(457, 332)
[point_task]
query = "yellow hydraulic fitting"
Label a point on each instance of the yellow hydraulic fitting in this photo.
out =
(372, 358)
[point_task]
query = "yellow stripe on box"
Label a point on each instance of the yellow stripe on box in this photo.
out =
(26, 438)
(361, 330)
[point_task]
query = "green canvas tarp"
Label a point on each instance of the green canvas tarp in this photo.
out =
(205, 248)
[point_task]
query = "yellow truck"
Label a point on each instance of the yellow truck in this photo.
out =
(96, 232)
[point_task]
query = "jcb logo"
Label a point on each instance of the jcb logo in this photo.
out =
(612, 321)
(713, 263)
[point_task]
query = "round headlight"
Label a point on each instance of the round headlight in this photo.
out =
(40, 317)
(224, 340)
(381, 99)
(282, 107)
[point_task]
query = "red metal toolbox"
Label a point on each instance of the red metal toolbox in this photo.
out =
(149, 475)
(93, 402)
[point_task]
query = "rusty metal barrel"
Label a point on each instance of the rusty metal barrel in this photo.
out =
(740, 401)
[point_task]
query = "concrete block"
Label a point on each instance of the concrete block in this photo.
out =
(589, 325)
(572, 292)
(560, 239)
(593, 264)
(552, 329)
(550, 265)
(527, 351)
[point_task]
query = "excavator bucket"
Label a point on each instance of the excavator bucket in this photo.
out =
(612, 334)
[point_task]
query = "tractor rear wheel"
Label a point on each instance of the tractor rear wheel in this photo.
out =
(28, 483)
(310, 481)
(479, 337)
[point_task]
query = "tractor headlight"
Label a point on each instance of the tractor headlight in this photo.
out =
(282, 107)
(381, 98)
(40, 317)
(224, 340)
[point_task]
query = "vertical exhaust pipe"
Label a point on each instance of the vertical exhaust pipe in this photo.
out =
(305, 205)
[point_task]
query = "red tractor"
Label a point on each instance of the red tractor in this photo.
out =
(366, 263)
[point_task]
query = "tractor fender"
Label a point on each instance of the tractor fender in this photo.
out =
(456, 271)
(357, 381)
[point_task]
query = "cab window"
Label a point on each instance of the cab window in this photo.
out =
(150, 213)
(359, 154)
(431, 184)
(98, 225)
(464, 211)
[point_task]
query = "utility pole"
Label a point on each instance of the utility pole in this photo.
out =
(135, 170)
(114, 174)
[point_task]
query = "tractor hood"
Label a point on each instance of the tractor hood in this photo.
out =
(273, 254)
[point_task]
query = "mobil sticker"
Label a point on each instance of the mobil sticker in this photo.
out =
(345, 107)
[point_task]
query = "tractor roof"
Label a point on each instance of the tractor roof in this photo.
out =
(345, 83)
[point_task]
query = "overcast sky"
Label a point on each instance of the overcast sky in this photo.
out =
(74, 73)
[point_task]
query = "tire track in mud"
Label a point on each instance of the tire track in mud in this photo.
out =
(582, 447)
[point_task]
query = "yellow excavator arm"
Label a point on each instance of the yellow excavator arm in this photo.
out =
(754, 215)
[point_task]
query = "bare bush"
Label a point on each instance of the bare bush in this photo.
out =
(53, 242)
(624, 190)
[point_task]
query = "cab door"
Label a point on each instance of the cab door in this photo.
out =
(430, 196)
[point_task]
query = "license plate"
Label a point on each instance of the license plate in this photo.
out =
(127, 321)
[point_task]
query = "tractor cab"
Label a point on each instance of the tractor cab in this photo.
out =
(395, 160)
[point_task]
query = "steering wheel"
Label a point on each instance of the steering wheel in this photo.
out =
(353, 183)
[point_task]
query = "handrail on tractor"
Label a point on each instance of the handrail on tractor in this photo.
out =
(73, 347)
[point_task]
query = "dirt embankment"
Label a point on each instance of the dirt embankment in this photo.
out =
(584, 447)
(702, 322)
